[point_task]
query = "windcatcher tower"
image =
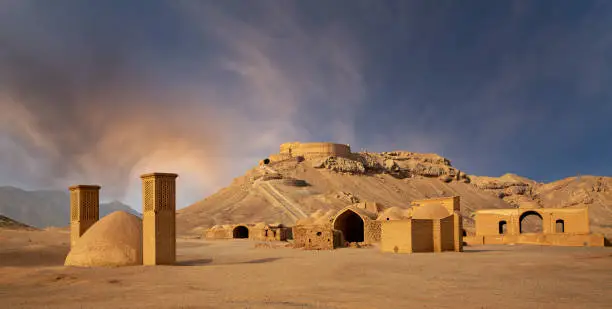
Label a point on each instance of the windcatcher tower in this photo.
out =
(84, 209)
(159, 218)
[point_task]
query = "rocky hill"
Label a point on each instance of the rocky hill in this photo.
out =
(45, 208)
(289, 190)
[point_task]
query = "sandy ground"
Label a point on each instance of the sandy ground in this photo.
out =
(236, 274)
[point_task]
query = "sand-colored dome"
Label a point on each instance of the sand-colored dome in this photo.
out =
(115, 240)
(430, 211)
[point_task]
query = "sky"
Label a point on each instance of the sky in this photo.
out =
(100, 92)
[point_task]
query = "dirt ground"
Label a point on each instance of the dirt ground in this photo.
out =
(236, 274)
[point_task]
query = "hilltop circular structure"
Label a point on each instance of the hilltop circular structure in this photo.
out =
(115, 240)
(312, 150)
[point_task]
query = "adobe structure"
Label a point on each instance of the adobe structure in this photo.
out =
(159, 218)
(429, 226)
(549, 226)
(84, 209)
(309, 151)
(260, 231)
(434, 226)
(317, 237)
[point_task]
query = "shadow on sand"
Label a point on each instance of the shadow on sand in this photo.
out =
(201, 262)
(196, 262)
(47, 256)
(478, 251)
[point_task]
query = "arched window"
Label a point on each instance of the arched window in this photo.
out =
(560, 226)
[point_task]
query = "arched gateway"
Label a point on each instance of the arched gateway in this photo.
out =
(351, 225)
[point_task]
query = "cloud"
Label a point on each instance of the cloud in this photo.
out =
(205, 89)
(91, 104)
(304, 80)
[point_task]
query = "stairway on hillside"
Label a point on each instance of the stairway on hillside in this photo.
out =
(278, 199)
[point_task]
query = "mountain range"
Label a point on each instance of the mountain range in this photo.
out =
(45, 208)
(285, 191)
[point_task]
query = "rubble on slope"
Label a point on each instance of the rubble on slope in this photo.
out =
(399, 164)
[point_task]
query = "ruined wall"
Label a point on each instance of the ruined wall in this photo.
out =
(277, 157)
(488, 223)
(310, 150)
(256, 232)
(270, 234)
(316, 237)
(576, 231)
(575, 220)
(287, 148)
(422, 233)
(372, 231)
(218, 233)
(396, 236)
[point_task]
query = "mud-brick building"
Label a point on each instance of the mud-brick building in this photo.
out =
(434, 226)
(259, 231)
(428, 226)
(541, 226)
(316, 237)
(356, 223)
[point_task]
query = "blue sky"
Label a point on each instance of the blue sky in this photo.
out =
(102, 91)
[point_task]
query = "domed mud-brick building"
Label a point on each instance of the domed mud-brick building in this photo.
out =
(432, 225)
(115, 240)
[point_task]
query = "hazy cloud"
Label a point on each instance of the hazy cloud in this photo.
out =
(100, 92)
(88, 105)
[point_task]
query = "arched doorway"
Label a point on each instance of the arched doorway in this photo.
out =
(531, 222)
(351, 226)
(503, 227)
(241, 232)
(560, 226)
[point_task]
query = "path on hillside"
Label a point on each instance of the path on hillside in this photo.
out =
(278, 199)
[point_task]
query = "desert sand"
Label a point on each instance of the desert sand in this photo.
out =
(247, 274)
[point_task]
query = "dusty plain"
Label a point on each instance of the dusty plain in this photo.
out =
(247, 274)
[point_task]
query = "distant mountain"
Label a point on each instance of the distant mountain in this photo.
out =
(45, 208)
(8, 223)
